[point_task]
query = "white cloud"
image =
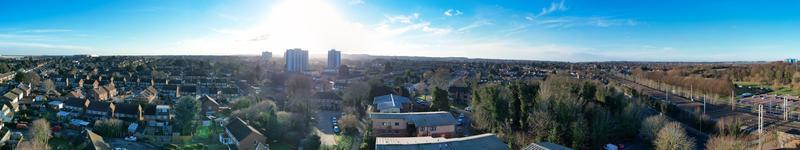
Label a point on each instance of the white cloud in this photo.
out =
(402, 18)
(568, 22)
(474, 24)
(452, 12)
(554, 6)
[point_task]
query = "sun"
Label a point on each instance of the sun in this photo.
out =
(306, 23)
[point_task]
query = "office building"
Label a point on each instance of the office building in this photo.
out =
(334, 59)
(296, 60)
(266, 56)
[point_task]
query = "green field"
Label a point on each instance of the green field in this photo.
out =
(783, 90)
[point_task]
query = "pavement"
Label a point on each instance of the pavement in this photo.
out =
(324, 127)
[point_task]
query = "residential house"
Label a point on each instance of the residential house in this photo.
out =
(545, 146)
(128, 112)
(459, 94)
(244, 136)
(147, 95)
(436, 124)
(76, 106)
(392, 104)
(99, 94)
(96, 141)
(209, 105)
(100, 110)
(8, 76)
(156, 115)
(477, 142)
(327, 101)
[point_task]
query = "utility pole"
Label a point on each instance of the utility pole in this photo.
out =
(761, 118)
(691, 92)
(704, 104)
(785, 111)
(733, 101)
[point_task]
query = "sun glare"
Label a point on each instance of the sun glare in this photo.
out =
(302, 22)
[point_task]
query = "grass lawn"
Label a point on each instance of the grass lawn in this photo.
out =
(786, 91)
(60, 143)
(783, 90)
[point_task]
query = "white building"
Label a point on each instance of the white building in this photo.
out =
(266, 56)
(296, 60)
(334, 59)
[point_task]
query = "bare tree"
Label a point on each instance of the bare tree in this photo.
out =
(41, 131)
(726, 142)
(33, 145)
(673, 137)
(651, 126)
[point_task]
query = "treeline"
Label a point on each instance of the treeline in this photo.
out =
(776, 73)
(712, 86)
(576, 113)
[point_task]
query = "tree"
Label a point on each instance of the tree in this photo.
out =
(32, 145)
(651, 126)
(730, 125)
(110, 128)
(186, 113)
(579, 134)
(312, 142)
(349, 124)
(355, 100)
(726, 143)
(50, 87)
(344, 70)
(440, 100)
(673, 137)
(41, 131)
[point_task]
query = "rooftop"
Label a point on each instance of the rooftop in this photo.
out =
(482, 142)
(419, 118)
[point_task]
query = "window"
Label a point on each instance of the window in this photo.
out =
(433, 128)
(396, 123)
(384, 123)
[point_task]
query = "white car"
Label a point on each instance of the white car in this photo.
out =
(131, 138)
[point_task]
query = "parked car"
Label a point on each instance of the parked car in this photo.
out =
(130, 138)
(336, 129)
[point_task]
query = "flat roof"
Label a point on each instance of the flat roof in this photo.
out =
(482, 142)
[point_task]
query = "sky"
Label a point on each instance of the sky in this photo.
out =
(554, 30)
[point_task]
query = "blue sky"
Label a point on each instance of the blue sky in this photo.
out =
(561, 30)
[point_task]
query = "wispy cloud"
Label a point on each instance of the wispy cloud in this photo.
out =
(402, 18)
(41, 46)
(407, 23)
(453, 12)
(474, 24)
(567, 22)
(554, 7)
(46, 30)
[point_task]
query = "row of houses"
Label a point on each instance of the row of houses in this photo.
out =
(153, 115)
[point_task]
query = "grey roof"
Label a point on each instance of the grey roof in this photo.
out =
(427, 119)
(545, 146)
(481, 142)
(389, 101)
(240, 129)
